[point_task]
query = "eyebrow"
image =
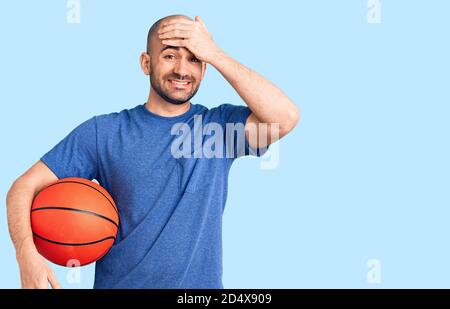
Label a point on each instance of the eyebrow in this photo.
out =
(169, 46)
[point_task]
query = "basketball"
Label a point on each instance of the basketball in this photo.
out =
(74, 222)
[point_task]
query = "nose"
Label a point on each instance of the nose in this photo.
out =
(181, 68)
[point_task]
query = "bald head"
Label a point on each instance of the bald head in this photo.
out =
(152, 32)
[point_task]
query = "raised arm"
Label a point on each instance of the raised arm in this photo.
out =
(269, 105)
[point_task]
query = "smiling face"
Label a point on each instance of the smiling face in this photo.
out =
(175, 73)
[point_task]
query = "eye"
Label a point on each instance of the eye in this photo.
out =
(195, 60)
(170, 57)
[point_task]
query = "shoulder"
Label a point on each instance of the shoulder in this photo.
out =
(110, 123)
(125, 113)
(230, 113)
(116, 118)
(226, 111)
(223, 108)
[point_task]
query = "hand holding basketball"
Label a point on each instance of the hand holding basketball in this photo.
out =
(35, 273)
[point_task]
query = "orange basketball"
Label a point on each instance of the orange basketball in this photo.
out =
(74, 220)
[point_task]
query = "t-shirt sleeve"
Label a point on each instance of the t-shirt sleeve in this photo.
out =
(76, 154)
(234, 118)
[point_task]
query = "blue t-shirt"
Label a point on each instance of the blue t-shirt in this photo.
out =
(170, 206)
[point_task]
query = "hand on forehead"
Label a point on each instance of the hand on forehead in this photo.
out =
(180, 23)
(174, 20)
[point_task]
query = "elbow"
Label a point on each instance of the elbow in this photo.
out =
(11, 190)
(18, 184)
(295, 116)
(292, 119)
(9, 196)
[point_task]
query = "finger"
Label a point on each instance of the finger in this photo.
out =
(169, 27)
(178, 20)
(41, 284)
(180, 43)
(53, 281)
(198, 19)
(175, 34)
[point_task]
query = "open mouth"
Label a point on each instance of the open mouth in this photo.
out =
(179, 84)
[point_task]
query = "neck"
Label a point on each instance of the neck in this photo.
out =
(159, 106)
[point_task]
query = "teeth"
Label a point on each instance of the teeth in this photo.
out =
(179, 83)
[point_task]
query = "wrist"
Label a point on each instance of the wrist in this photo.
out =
(25, 247)
(217, 57)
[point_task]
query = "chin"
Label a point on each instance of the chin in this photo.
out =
(177, 101)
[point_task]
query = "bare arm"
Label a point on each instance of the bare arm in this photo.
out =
(34, 271)
(269, 105)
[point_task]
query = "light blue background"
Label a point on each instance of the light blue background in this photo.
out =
(364, 175)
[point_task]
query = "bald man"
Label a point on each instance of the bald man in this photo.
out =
(165, 162)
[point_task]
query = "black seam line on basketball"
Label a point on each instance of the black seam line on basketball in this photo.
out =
(73, 181)
(77, 210)
(75, 244)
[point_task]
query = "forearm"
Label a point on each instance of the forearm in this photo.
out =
(18, 202)
(266, 101)
(34, 271)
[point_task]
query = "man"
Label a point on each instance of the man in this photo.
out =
(170, 198)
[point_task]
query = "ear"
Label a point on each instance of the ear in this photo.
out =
(145, 61)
